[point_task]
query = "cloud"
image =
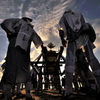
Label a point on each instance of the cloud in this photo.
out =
(2, 62)
(6, 8)
(1, 75)
(34, 54)
(46, 16)
(97, 42)
(45, 13)
(96, 25)
(20, 10)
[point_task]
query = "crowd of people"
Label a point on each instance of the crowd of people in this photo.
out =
(78, 34)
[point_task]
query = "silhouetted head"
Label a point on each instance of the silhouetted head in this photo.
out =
(27, 18)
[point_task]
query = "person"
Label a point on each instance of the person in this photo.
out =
(79, 33)
(83, 70)
(34, 79)
(63, 81)
(88, 81)
(20, 34)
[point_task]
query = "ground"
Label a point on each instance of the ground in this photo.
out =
(53, 95)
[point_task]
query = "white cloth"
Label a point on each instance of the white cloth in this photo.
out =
(25, 32)
(10, 24)
(22, 40)
(75, 21)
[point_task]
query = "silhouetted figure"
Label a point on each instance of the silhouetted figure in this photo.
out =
(34, 81)
(63, 81)
(20, 33)
(88, 80)
(79, 33)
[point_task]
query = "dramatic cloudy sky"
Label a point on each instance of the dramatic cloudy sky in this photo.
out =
(46, 15)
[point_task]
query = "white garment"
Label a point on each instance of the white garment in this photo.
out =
(74, 19)
(22, 40)
(25, 32)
